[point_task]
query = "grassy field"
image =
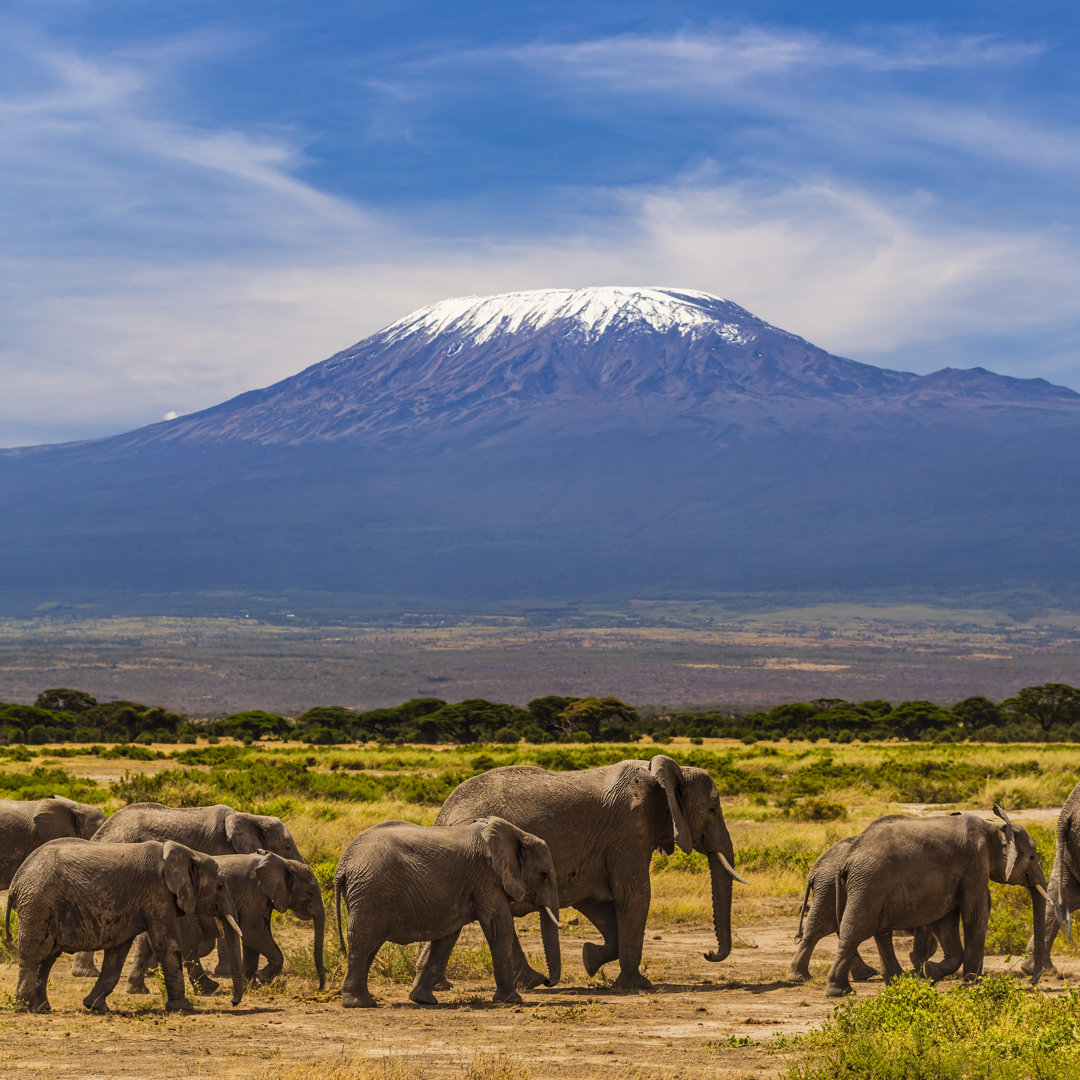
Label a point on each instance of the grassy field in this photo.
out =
(784, 802)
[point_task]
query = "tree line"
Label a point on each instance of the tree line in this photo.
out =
(1049, 712)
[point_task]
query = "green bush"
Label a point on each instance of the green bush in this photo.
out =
(996, 1029)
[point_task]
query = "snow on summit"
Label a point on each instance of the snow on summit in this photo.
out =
(594, 311)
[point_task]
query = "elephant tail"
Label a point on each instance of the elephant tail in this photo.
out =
(804, 907)
(841, 895)
(7, 916)
(337, 909)
(1058, 873)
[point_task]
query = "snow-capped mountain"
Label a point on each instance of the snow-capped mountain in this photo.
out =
(552, 360)
(563, 444)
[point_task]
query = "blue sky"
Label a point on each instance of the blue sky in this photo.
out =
(201, 198)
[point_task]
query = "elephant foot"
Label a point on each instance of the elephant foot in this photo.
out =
(796, 976)
(96, 1004)
(268, 974)
(1028, 967)
(137, 988)
(838, 990)
(862, 972)
(40, 1007)
(205, 985)
(594, 957)
(366, 1001)
(507, 997)
(180, 1005)
(83, 969)
(632, 980)
(442, 984)
(529, 978)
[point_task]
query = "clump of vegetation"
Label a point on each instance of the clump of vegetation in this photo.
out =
(996, 1029)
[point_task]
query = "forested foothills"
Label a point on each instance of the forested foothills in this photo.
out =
(1048, 712)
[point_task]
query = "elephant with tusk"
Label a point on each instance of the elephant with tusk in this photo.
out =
(259, 883)
(74, 895)
(602, 826)
(932, 871)
(403, 883)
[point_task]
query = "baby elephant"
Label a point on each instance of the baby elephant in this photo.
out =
(405, 883)
(259, 884)
(80, 894)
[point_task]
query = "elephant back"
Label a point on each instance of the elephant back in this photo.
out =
(199, 827)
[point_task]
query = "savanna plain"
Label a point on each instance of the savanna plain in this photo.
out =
(785, 803)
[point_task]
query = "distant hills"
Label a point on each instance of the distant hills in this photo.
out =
(560, 446)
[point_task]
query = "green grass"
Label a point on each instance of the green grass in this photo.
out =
(993, 1030)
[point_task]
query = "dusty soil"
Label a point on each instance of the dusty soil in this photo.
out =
(696, 1022)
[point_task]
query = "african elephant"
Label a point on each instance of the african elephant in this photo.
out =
(25, 826)
(1064, 888)
(259, 883)
(932, 870)
(76, 895)
(405, 882)
(602, 826)
(213, 830)
(821, 919)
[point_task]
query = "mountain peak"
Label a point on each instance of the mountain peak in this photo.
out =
(586, 313)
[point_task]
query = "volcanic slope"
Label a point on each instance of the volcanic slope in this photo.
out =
(566, 444)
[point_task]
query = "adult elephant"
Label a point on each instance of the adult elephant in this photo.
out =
(213, 830)
(76, 894)
(1064, 888)
(27, 825)
(933, 870)
(602, 826)
(259, 884)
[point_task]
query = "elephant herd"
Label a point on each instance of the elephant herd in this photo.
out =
(174, 882)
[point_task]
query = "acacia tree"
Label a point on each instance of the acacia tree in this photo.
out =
(1047, 705)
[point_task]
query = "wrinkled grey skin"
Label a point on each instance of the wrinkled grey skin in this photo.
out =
(602, 826)
(25, 826)
(259, 884)
(213, 830)
(1064, 887)
(932, 870)
(404, 882)
(74, 895)
(820, 915)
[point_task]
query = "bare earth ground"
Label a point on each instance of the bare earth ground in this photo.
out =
(202, 666)
(695, 1023)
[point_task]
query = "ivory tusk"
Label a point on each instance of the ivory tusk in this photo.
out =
(220, 927)
(554, 918)
(730, 869)
(232, 922)
(1043, 893)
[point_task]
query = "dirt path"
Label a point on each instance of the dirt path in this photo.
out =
(695, 1023)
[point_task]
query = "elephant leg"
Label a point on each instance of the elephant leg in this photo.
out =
(31, 990)
(890, 966)
(1072, 902)
(498, 927)
(263, 943)
(436, 979)
(112, 966)
(201, 982)
(631, 913)
(172, 970)
(601, 913)
(975, 915)
(860, 969)
(83, 966)
(141, 963)
(947, 931)
(223, 968)
(526, 976)
(354, 990)
(923, 946)
(436, 957)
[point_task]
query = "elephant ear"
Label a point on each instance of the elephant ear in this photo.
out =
(244, 835)
(669, 774)
(180, 874)
(274, 879)
(503, 843)
(54, 819)
(1008, 841)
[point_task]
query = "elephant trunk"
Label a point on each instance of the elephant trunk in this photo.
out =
(549, 932)
(721, 905)
(319, 918)
(1038, 912)
(234, 949)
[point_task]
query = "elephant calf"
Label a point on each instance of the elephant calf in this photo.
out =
(80, 894)
(406, 883)
(259, 883)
